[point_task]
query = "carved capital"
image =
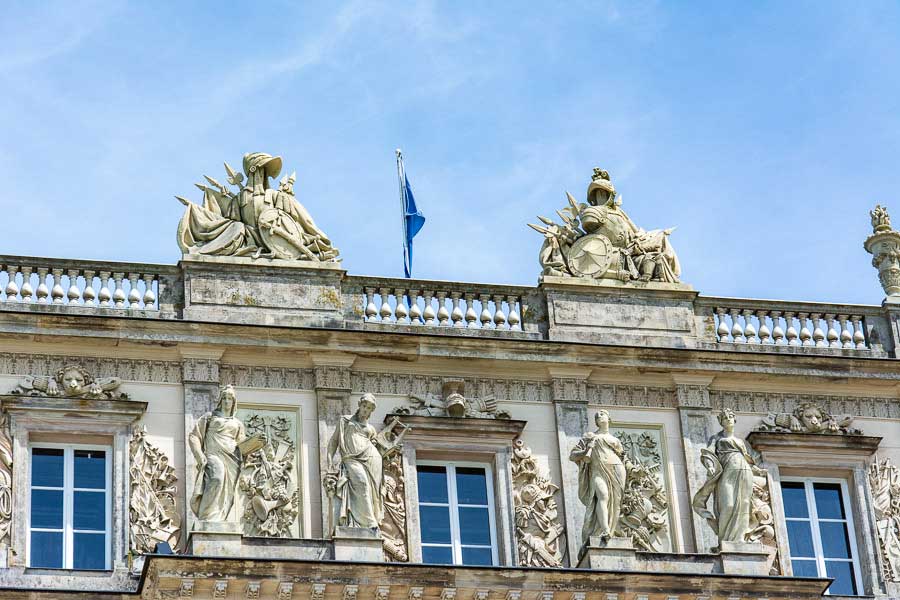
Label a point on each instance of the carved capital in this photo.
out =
(330, 377)
(692, 391)
(200, 370)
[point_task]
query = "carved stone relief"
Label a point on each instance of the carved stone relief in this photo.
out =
(513, 390)
(393, 523)
(6, 466)
(539, 533)
(808, 417)
(452, 403)
(269, 479)
(71, 381)
(152, 507)
(256, 376)
(127, 369)
(776, 402)
(884, 482)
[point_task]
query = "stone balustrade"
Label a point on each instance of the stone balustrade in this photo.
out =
(87, 284)
(809, 325)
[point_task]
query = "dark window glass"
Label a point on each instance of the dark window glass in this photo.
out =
(835, 541)
(474, 526)
(47, 467)
(46, 549)
(89, 551)
(432, 484)
(471, 485)
(435, 524)
(800, 538)
(844, 583)
(46, 509)
(90, 469)
(477, 556)
(438, 555)
(804, 568)
(89, 511)
(829, 504)
(794, 497)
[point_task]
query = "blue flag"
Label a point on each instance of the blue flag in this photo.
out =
(412, 223)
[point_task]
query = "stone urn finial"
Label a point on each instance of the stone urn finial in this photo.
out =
(884, 246)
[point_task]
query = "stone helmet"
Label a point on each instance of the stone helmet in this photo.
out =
(261, 160)
(600, 181)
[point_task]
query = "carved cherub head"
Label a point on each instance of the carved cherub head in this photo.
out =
(812, 418)
(74, 381)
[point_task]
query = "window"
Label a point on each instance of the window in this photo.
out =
(820, 533)
(456, 514)
(70, 507)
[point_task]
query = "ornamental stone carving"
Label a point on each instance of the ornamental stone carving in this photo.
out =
(808, 417)
(538, 531)
(731, 478)
(453, 403)
(645, 505)
(884, 246)
(71, 381)
(152, 508)
(6, 470)
(884, 482)
(254, 220)
(598, 240)
(393, 522)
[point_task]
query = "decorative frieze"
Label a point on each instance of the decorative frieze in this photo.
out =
(641, 396)
(538, 530)
(332, 377)
(884, 482)
(404, 384)
(256, 376)
(153, 511)
(775, 402)
(200, 370)
(126, 369)
(692, 395)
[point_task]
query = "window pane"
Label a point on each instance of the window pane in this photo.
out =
(432, 483)
(46, 549)
(800, 539)
(90, 469)
(805, 568)
(47, 509)
(89, 511)
(435, 524)
(89, 551)
(835, 541)
(477, 556)
(471, 487)
(47, 467)
(844, 583)
(439, 555)
(474, 526)
(794, 497)
(828, 500)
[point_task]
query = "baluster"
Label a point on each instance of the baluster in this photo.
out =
(400, 311)
(27, 290)
(471, 315)
(443, 314)
(499, 317)
(371, 310)
(791, 333)
(764, 333)
(818, 334)
(386, 312)
(88, 294)
(415, 313)
(428, 315)
(749, 329)
(805, 335)
(104, 296)
(722, 329)
(118, 293)
(457, 314)
(56, 292)
(737, 332)
(831, 336)
(42, 290)
(777, 331)
(134, 296)
(859, 336)
(149, 298)
(846, 339)
(514, 320)
(74, 294)
(485, 311)
(12, 290)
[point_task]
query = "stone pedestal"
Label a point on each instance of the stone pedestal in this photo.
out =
(744, 558)
(354, 544)
(216, 539)
(614, 554)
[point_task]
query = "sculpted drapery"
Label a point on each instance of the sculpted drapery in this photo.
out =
(601, 479)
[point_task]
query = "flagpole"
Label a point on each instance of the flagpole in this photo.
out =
(402, 186)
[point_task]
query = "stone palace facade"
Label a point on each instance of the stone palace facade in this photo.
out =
(255, 422)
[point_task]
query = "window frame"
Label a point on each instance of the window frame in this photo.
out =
(456, 544)
(69, 490)
(814, 519)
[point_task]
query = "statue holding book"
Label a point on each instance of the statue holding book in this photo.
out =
(220, 446)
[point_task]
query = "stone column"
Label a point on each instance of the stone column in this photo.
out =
(695, 412)
(570, 403)
(332, 400)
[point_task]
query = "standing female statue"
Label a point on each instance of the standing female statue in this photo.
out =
(601, 479)
(354, 481)
(730, 466)
(215, 443)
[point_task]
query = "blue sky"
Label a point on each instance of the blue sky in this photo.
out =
(765, 131)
